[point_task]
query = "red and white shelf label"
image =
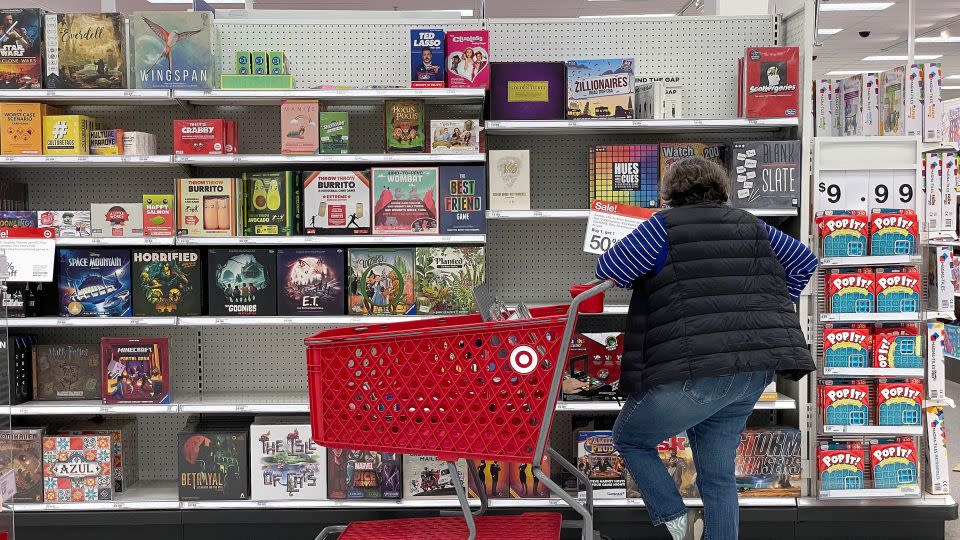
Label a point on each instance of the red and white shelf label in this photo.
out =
(609, 222)
(27, 253)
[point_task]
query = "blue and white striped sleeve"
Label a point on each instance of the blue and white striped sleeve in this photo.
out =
(797, 260)
(636, 254)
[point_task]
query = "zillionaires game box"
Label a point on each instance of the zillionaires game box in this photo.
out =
(527, 90)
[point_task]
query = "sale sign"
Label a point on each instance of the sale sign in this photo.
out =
(26, 253)
(609, 222)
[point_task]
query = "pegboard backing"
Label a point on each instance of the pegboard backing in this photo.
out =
(791, 28)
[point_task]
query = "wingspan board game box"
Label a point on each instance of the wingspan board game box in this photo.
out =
(381, 281)
(336, 202)
(428, 477)
(446, 277)
(897, 290)
(851, 291)
(194, 136)
(85, 50)
(893, 232)
(768, 462)
(405, 200)
(897, 348)
(771, 82)
(66, 371)
(599, 460)
(94, 282)
(600, 88)
(135, 370)
(242, 282)
(354, 474)
(311, 281)
(843, 233)
(899, 403)
(285, 463)
(167, 282)
(174, 49)
(844, 403)
(847, 347)
(21, 450)
(271, 204)
(213, 466)
(766, 174)
(894, 463)
(468, 59)
(677, 457)
(68, 223)
(427, 58)
(21, 48)
(77, 469)
(404, 125)
(840, 465)
(594, 362)
(627, 173)
(462, 198)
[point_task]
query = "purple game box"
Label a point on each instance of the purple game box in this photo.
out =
(527, 90)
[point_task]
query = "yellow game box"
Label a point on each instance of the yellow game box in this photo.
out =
(67, 134)
(21, 127)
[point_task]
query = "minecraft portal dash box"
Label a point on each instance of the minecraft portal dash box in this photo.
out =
(894, 463)
(840, 465)
(897, 348)
(893, 232)
(844, 402)
(847, 347)
(843, 233)
(897, 290)
(899, 403)
(851, 291)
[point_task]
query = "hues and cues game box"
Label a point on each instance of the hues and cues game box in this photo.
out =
(311, 281)
(167, 282)
(627, 174)
(94, 282)
(135, 370)
(242, 282)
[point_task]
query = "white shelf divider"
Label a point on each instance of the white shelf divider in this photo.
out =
(890, 493)
(873, 430)
(118, 241)
(228, 160)
(337, 95)
(52, 322)
(870, 317)
(90, 96)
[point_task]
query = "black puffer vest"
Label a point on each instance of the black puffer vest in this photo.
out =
(719, 305)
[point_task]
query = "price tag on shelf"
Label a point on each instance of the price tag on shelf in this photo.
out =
(241, 408)
(834, 429)
(609, 222)
(261, 504)
(8, 485)
(118, 506)
(830, 371)
(698, 122)
(106, 409)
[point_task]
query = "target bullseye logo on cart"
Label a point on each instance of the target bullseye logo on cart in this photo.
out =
(523, 360)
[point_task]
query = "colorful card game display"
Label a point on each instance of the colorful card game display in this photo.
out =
(840, 465)
(897, 348)
(353, 474)
(207, 206)
(528, 90)
(428, 477)
(455, 136)
(66, 372)
(380, 281)
(405, 200)
(427, 58)
(509, 179)
(446, 277)
(201, 137)
(899, 403)
(106, 142)
(897, 290)
(771, 82)
(135, 370)
(404, 125)
(468, 59)
(85, 50)
(599, 460)
(768, 462)
(893, 232)
(334, 132)
(21, 49)
(67, 134)
(174, 49)
(285, 463)
(242, 282)
(213, 466)
(299, 131)
(21, 126)
(21, 450)
(843, 233)
(167, 282)
(766, 174)
(600, 88)
(892, 101)
(311, 281)
(116, 220)
(847, 347)
(94, 282)
(844, 403)
(594, 361)
(77, 469)
(851, 291)
(271, 203)
(336, 202)
(894, 463)
(463, 199)
(627, 173)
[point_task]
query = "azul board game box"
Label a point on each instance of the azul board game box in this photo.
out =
(174, 49)
(21, 451)
(600, 88)
(167, 282)
(894, 463)
(242, 282)
(897, 290)
(843, 233)
(847, 347)
(671, 153)
(21, 127)
(840, 465)
(285, 463)
(207, 206)
(85, 50)
(897, 348)
(66, 372)
(336, 202)
(844, 403)
(381, 281)
(21, 48)
(599, 460)
(404, 123)
(893, 232)
(528, 90)
(455, 136)
(334, 132)
(428, 477)
(115, 220)
(405, 200)
(494, 477)
(68, 223)
(509, 179)
(766, 174)
(354, 474)
(446, 277)
(135, 370)
(299, 131)
(891, 101)
(768, 462)
(77, 469)
(463, 199)
(626, 173)
(213, 466)
(94, 282)
(851, 291)
(899, 403)
(427, 47)
(771, 82)
(123, 441)
(594, 363)
(271, 203)
(524, 485)
(17, 218)
(311, 281)
(468, 59)
(677, 457)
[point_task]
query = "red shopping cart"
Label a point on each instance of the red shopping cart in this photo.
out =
(453, 387)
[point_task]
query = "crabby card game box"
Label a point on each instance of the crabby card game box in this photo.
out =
(405, 200)
(847, 347)
(135, 370)
(600, 88)
(599, 460)
(428, 477)
(213, 466)
(353, 474)
(771, 81)
(285, 463)
(626, 173)
(897, 290)
(21, 49)
(85, 50)
(381, 281)
(900, 347)
(844, 403)
(899, 403)
(446, 277)
(167, 282)
(768, 462)
(21, 450)
(311, 281)
(851, 291)
(843, 233)
(242, 282)
(94, 282)
(66, 371)
(893, 232)
(77, 469)
(336, 202)
(463, 192)
(840, 465)
(894, 463)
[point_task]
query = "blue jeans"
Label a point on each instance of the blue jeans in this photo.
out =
(713, 411)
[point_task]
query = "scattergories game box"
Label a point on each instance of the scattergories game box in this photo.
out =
(135, 370)
(242, 282)
(167, 282)
(771, 82)
(94, 282)
(213, 466)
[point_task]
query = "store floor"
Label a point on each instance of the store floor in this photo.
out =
(953, 452)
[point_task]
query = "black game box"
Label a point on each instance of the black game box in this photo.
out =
(213, 466)
(242, 282)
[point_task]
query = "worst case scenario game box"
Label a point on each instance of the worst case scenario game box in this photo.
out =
(94, 282)
(77, 469)
(167, 282)
(310, 281)
(135, 370)
(354, 474)
(286, 463)
(213, 466)
(21, 56)
(242, 282)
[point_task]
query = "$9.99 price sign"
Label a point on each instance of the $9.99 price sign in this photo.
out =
(609, 222)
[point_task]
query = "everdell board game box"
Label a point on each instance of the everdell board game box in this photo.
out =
(468, 59)
(311, 281)
(285, 463)
(77, 469)
(68, 223)
(336, 202)
(599, 460)
(174, 49)
(771, 82)
(381, 281)
(600, 88)
(677, 457)
(528, 90)
(21, 48)
(843, 233)
(463, 192)
(242, 282)
(213, 466)
(428, 477)
(768, 462)
(21, 450)
(405, 200)
(94, 282)
(446, 277)
(66, 371)
(427, 47)
(404, 125)
(85, 50)
(840, 465)
(626, 173)
(354, 474)
(271, 203)
(766, 174)
(167, 282)
(135, 370)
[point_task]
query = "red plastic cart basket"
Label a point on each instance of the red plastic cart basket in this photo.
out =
(453, 387)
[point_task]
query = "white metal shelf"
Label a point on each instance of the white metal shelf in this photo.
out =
(91, 97)
(281, 320)
(87, 161)
(570, 127)
(889, 493)
(118, 241)
(782, 402)
(89, 406)
(339, 96)
(584, 213)
(873, 430)
(48, 322)
(873, 372)
(870, 260)
(943, 242)
(144, 495)
(870, 317)
(228, 160)
(330, 240)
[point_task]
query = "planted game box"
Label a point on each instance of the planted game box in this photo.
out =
(677, 457)
(21, 48)
(768, 462)
(85, 50)
(213, 466)
(115, 220)
(68, 223)
(405, 200)
(894, 463)
(21, 126)
(844, 403)
(600, 88)
(766, 174)
(851, 291)
(626, 173)
(334, 132)
(463, 192)
(671, 153)
(207, 206)
(77, 469)
(528, 90)
(242, 282)
(843, 233)
(167, 282)
(21, 450)
(771, 82)
(11, 219)
(893, 232)
(381, 281)
(898, 348)
(427, 477)
(852, 107)
(892, 101)
(336, 202)
(897, 290)
(455, 136)
(899, 403)
(135, 370)
(495, 477)
(66, 372)
(404, 123)
(468, 59)
(123, 441)
(311, 281)
(594, 361)
(427, 47)
(94, 282)
(840, 465)
(299, 126)
(158, 216)
(354, 474)
(509, 179)
(174, 49)
(847, 347)
(285, 463)
(599, 460)
(524, 485)
(271, 203)
(446, 277)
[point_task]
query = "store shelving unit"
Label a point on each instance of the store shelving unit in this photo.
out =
(91, 97)
(584, 214)
(87, 161)
(595, 126)
(332, 240)
(297, 161)
(337, 96)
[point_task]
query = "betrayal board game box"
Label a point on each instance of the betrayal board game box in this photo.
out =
(213, 466)
(446, 277)
(285, 463)
(766, 174)
(311, 281)
(405, 200)
(242, 282)
(353, 474)
(768, 462)
(428, 477)
(463, 191)
(66, 372)
(527, 90)
(116, 219)
(625, 173)
(600, 88)
(336, 202)
(599, 460)
(404, 124)
(271, 203)
(85, 50)
(21, 48)
(67, 223)
(94, 282)
(381, 281)
(771, 82)
(468, 59)
(135, 370)
(77, 469)
(174, 49)
(427, 46)
(21, 451)
(167, 282)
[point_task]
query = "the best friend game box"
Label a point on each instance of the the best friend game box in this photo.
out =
(894, 463)
(847, 347)
(845, 403)
(897, 348)
(840, 465)
(899, 403)
(893, 232)
(843, 233)
(897, 290)
(851, 291)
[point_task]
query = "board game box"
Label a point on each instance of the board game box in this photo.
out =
(336, 202)
(768, 462)
(897, 290)
(115, 220)
(627, 173)
(824, 97)
(844, 403)
(94, 282)
(446, 277)
(463, 199)
(174, 49)
(77, 469)
(158, 216)
(334, 132)
(242, 282)
(899, 403)
(123, 441)
(353, 474)
(870, 104)
(455, 136)
(201, 136)
(894, 463)
(677, 457)
(427, 56)
(851, 291)
(494, 477)
(468, 59)
(85, 50)
(135, 370)
(11, 219)
(840, 465)
(106, 142)
(766, 174)
(892, 101)
(600, 88)
(931, 192)
(67, 134)
(852, 109)
(404, 123)
(285, 463)
(509, 179)
(528, 90)
(381, 281)
(21, 48)
(771, 82)
(21, 450)
(299, 131)
(594, 363)
(913, 100)
(213, 466)
(524, 485)
(427, 477)
(68, 223)
(599, 460)
(847, 347)
(405, 200)
(311, 281)
(66, 372)
(932, 103)
(21, 126)
(843, 233)
(671, 153)
(167, 282)
(207, 206)
(271, 204)
(897, 348)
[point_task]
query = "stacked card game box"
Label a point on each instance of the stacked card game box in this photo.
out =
(191, 64)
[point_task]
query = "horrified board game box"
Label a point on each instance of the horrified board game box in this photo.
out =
(173, 49)
(94, 282)
(626, 173)
(77, 469)
(135, 370)
(20, 450)
(311, 281)
(463, 191)
(380, 281)
(446, 277)
(285, 463)
(771, 82)
(353, 474)
(167, 282)
(21, 57)
(213, 466)
(404, 125)
(242, 282)
(405, 200)
(336, 202)
(600, 88)
(85, 50)
(66, 372)
(271, 204)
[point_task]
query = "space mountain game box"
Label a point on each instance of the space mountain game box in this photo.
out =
(94, 282)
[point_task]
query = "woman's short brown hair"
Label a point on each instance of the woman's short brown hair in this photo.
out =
(694, 180)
